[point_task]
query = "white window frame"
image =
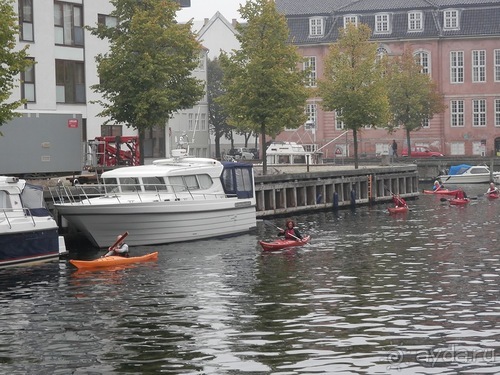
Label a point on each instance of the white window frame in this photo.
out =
(415, 21)
(497, 112)
(316, 26)
(312, 113)
(478, 113)
(426, 124)
(350, 18)
(451, 19)
(339, 125)
(310, 65)
(457, 148)
(496, 65)
(457, 66)
(382, 23)
(479, 66)
(457, 113)
(424, 59)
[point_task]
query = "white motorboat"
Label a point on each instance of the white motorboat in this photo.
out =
(172, 200)
(290, 153)
(28, 232)
(468, 174)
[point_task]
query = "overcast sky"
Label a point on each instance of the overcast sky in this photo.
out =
(201, 9)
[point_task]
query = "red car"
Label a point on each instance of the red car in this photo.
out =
(421, 152)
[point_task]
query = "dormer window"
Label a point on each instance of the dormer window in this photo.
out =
(350, 19)
(316, 27)
(382, 24)
(415, 21)
(450, 19)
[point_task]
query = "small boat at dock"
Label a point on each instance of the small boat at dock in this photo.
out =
(28, 232)
(172, 200)
(468, 174)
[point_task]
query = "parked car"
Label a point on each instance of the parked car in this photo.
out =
(421, 152)
(241, 153)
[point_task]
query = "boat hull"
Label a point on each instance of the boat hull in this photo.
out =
(113, 261)
(493, 196)
(28, 246)
(397, 210)
(459, 201)
(155, 223)
(281, 244)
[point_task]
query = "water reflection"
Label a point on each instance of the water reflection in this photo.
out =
(372, 293)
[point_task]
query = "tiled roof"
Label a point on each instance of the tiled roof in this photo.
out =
(477, 17)
(309, 7)
(375, 5)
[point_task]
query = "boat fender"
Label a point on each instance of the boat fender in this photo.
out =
(335, 200)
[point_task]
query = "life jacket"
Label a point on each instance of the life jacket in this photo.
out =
(290, 234)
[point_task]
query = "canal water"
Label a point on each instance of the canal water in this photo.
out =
(372, 293)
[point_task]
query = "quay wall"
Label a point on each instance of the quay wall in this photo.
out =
(295, 189)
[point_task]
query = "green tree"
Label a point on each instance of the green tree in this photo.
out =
(265, 91)
(414, 97)
(218, 118)
(353, 82)
(11, 62)
(147, 74)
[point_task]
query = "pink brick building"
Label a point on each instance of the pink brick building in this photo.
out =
(457, 43)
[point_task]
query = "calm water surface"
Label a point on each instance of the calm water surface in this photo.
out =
(371, 294)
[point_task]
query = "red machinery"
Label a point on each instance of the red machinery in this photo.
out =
(120, 150)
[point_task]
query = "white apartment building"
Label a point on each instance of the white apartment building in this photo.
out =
(64, 53)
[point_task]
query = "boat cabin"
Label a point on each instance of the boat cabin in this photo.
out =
(290, 153)
(195, 177)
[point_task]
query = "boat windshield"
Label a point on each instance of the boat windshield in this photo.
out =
(237, 179)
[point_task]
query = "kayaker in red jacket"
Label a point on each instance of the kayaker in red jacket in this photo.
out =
(398, 201)
(290, 232)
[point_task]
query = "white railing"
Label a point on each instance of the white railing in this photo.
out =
(124, 192)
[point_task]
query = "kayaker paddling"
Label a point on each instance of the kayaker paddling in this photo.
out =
(492, 189)
(438, 185)
(120, 248)
(290, 232)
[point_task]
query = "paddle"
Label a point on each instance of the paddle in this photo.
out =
(281, 229)
(120, 239)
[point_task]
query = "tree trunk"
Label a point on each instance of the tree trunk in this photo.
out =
(263, 148)
(355, 140)
(217, 146)
(408, 142)
(141, 146)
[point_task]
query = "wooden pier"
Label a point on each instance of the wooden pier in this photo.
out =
(292, 190)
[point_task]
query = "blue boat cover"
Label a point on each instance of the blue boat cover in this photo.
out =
(458, 169)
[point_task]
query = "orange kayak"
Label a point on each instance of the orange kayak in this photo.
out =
(441, 192)
(112, 261)
(282, 244)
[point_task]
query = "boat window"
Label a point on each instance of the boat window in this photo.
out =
(205, 181)
(227, 180)
(129, 184)
(153, 184)
(243, 179)
(4, 200)
(478, 170)
(110, 185)
(177, 183)
(191, 182)
(299, 159)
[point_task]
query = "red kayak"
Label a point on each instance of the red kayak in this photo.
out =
(493, 195)
(282, 244)
(459, 201)
(398, 210)
(441, 192)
